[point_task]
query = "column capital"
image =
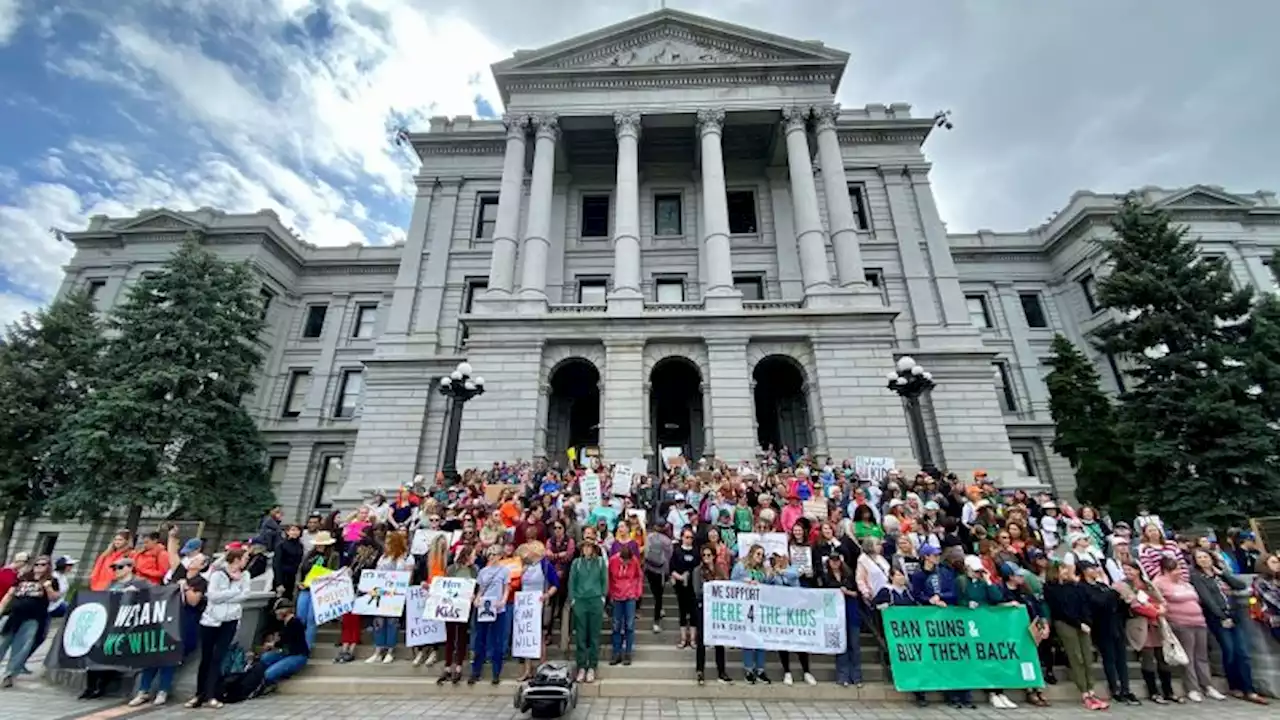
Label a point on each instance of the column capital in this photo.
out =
(710, 120)
(825, 116)
(794, 117)
(546, 124)
(627, 123)
(517, 124)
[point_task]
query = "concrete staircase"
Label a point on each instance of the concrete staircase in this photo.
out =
(659, 669)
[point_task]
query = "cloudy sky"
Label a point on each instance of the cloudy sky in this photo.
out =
(110, 106)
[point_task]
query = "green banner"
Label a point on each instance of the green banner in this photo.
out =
(933, 648)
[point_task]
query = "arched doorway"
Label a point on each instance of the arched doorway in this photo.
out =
(675, 407)
(573, 408)
(782, 410)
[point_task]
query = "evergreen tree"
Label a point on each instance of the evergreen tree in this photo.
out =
(1084, 429)
(1261, 355)
(47, 361)
(167, 429)
(1203, 449)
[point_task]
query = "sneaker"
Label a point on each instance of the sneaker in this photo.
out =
(809, 679)
(582, 675)
(162, 697)
(751, 677)
(472, 680)
(657, 628)
(994, 699)
(496, 680)
(1213, 694)
(139, 699)
(626, 659)
(616, 659)
(1008, 704)
(418, 658)
(432, 658)
(1091, 703)
(786, 679)
(1195, 696)
(763, 678)
(724, 679)
(702, 680)
(374, 658)
(591, 676)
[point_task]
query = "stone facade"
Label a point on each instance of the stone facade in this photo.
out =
(669, 187)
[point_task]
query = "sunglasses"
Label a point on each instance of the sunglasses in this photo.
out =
(42, 564)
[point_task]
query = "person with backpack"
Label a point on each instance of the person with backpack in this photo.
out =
(657, 557)
(228, 589)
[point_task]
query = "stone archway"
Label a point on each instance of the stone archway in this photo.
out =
(573, 407)
(781, 403)
(676, 406)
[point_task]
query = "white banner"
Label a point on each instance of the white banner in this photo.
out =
(422, 539)
(873, 468)
(773, 543)
(332, 596)
(449, 599)
(773, 617)
(419, 628)
(621, 480)
(382, 593)
(590, 487)
(526, 633)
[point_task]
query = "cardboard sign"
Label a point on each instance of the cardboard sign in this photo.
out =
(382, 593)
(449, 599)
(590, 487)
(332, 596)
(422, 539)
(773, 544)
(526, 637)
(621, 480)
(420, 629)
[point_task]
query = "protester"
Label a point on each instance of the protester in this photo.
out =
(707, 570)
(103, 574)
(1069, 607)
(837, 576)
(658, 552)
(1186, 618)
(588, 587)
(287, 560)
(1216, 589)
(228, 589)
(123, 580)
(456, 633)
(288, 655)
(386, 630)
(492, 585)
(625, 587)
(539, 575)
(154, 684)
(26, 606)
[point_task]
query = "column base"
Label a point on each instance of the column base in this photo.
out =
(626, 301)
(531, 302)
(493, 302)
(826, 297)
(723, 300)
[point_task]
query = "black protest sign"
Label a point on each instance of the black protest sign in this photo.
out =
(122, 630)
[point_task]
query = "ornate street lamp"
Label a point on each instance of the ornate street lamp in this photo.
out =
(910, 381)
(459, 386)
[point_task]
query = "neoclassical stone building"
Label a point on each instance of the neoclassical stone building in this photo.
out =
(673, 238)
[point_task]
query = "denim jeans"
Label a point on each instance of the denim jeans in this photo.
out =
(19, 646)
(1235, 654)
(489, 638)
(624, 626)
(308, 616)
(147, 679)
(753, 660)
(282, 667)
(849, 662)
(386, 632)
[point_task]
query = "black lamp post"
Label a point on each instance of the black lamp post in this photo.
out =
(459, 386)
(911, 381)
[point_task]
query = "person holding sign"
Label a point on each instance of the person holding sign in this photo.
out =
(539, 575)
(752, 570)
(492, 586)
(838, 576)
(708, 570)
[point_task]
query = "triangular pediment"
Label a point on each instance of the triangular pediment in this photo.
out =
(669, 38)
(1200, 196)
(166, 220)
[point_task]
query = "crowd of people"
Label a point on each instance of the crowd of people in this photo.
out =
(1090, 584)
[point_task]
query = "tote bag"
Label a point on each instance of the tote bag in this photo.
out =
(1173, 652)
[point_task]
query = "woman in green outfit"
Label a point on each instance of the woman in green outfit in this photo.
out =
(588, 585)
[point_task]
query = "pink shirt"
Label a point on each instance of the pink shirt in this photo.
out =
(352, 531)
(1182, 604)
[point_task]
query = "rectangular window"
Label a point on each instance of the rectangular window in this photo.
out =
(95, 288)
(276, 467)
(266, 296)
(669, 290)
(592, 291)
(1089, 287)
(475, 287)
(1024, 463)
(667, 220)
(1115, 372)
(45, 543)
(330, 480)
(858, 196)
(295, 397)
(978, 313)
(1033, 310)
(1004, 386)
(314, 324)
(349, 394)
(751, 286)
(595, 216)
(486, 215)
(875, 280)
(742, 212)
(366, 320)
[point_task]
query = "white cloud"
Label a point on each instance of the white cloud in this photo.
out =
(10, 20)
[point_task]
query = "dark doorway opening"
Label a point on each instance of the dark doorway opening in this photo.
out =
(675, 407)
(573, 410)
(782, 410)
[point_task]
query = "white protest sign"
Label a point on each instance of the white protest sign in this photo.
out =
(621, 480)
(773, 543)
(419, 628)
(526, 634)
(422, 539)
(449, 599)
(590, 487)
(382, 593)
(774, 617)
(873, 468)
(332, 596)
(802, 558)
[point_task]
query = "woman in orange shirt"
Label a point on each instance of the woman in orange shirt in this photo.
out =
(436, 565)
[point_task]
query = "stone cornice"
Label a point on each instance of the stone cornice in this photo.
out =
(672, 77)
(428, 144)
(893, 132)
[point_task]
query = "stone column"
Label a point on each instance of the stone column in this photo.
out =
(406, 285)
(424, 336)
(502, 265)
(627, 296)
(536, 246)
(804, 204)
(720, 294)
(840, 220)
(924, 310)
(954, 311)
(708, 435)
